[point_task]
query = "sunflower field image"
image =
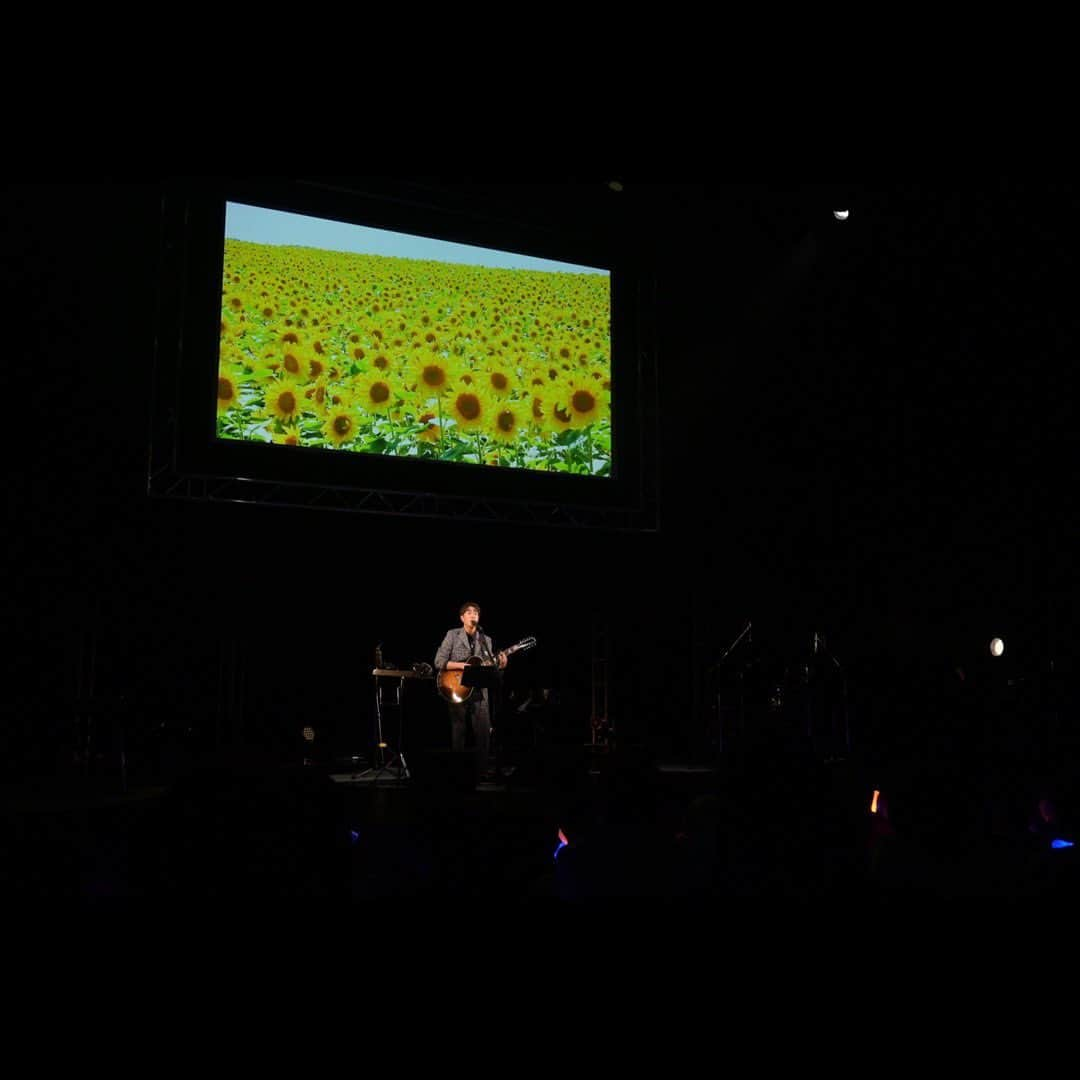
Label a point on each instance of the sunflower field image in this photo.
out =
(419, 358)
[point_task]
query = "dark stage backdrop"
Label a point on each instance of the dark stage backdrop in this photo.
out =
(865, 429)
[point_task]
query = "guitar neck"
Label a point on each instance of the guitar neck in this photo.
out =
(528, 643)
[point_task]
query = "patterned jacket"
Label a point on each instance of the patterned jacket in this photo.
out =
(455, 646)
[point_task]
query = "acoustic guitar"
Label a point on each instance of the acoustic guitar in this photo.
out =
(449, 682)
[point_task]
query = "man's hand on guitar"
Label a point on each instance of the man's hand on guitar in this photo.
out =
(448, 682)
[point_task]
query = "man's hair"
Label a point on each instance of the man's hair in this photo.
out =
(468, 604)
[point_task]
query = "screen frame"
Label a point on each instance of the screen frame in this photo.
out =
(193, 228)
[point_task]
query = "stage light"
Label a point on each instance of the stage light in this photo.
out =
(1061, 843)
(997, 647)
(873, 801)
(841, 215)
(309, 734)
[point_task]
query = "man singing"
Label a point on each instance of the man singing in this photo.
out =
(458, 647)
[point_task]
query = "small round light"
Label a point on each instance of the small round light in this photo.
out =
(841, 215)
(997, 647)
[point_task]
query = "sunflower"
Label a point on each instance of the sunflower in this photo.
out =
(265, 306)
(228, 392)
(537, 410)
(506, 421)
(295, 362)
(233, 359)
(433, 377)
(584, 401)
(317, 364)
(545, 371)
(564, 355)
(469, 408)
(289, 436)
(234, 301)
(375, 394)
(558, 418)
(283, 400)
(231, 326)
(340, 426)
(431, 433)
(316, 399)
(498, 381)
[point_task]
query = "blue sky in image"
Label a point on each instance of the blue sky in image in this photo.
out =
(261, 226)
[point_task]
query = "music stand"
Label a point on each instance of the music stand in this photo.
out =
(485, 677)
(482, 677)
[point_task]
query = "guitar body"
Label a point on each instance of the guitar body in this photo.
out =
(448, 682)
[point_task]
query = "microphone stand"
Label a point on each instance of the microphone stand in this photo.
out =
(493, 744)
(821, 648)
(843, 699)
(740, 716)
(727, 652)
